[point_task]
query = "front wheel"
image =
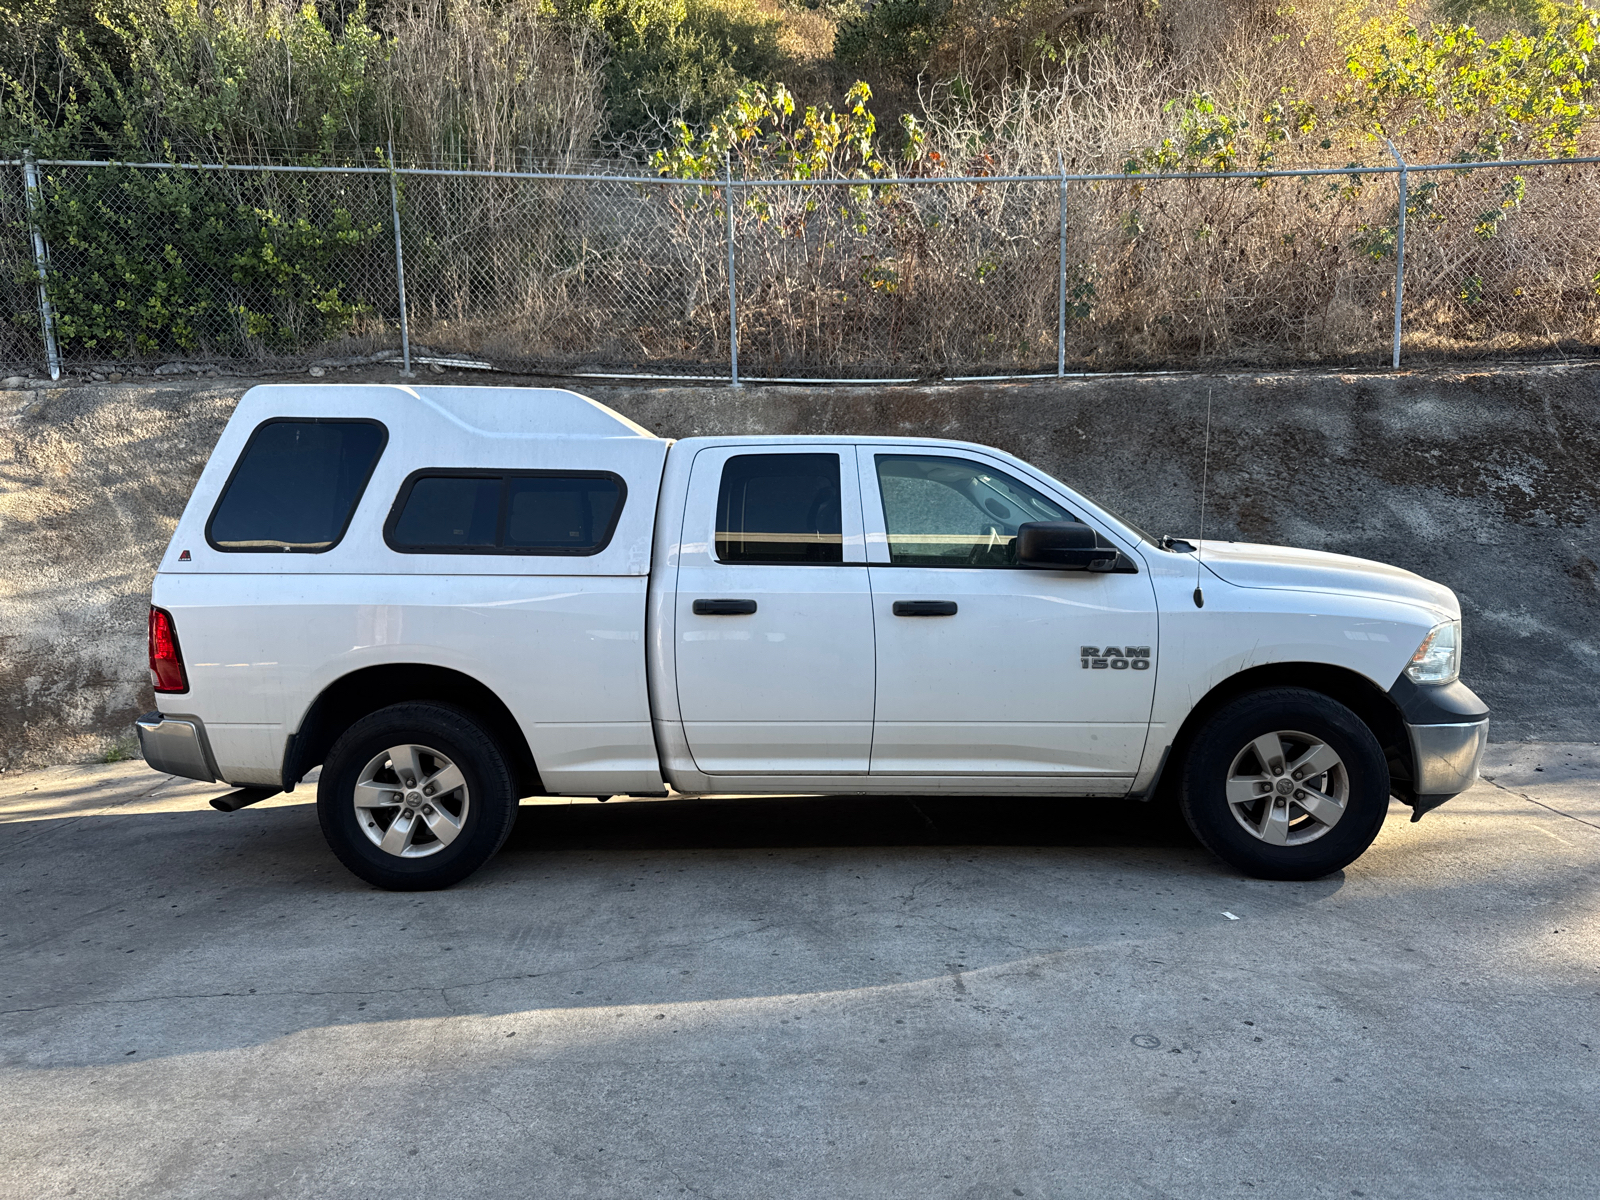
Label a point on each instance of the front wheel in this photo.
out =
(415, 797)
(1285, 784)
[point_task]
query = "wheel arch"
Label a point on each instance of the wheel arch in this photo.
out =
(362, 692)
(1355, 691)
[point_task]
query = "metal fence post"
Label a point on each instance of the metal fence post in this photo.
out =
(41, 260)
(1061, 278)
(733, 299)
(1399, 254)
(399, 265)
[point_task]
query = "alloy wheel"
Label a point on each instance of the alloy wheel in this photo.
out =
(1287, 788)
(411, 801)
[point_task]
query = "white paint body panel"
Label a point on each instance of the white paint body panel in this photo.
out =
(1244, 627)
(564, 653)
(619, 687)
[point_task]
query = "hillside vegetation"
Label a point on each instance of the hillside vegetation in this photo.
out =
(885, 277)
(952, 83)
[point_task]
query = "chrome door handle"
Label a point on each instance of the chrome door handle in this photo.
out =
(924, 608)
(724, 608)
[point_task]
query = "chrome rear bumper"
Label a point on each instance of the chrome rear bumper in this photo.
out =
(176, 745)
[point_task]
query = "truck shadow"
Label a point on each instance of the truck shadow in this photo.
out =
(144, 935)
(742, 822)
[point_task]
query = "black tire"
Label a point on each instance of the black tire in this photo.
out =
(487, 806)
(1225, 744)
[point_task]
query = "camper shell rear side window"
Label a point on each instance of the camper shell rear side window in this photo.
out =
(296, 485)
(445, 511)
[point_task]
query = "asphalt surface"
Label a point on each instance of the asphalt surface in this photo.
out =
(798, 998)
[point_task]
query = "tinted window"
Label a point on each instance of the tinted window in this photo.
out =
(443, 511)
(780, 508)
(559, 513)
(952, 512)
(296, 486)
(493, 512)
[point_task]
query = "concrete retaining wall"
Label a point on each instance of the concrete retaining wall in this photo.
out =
(1488, 481)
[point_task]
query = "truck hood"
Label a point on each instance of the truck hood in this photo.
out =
(1245, 564)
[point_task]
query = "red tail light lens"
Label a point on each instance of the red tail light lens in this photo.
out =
(166, 661)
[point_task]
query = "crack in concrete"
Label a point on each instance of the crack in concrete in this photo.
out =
(1540, 803)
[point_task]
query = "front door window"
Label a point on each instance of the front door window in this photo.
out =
(950, 512)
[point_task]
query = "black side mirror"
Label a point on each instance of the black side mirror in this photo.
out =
(1067, 546)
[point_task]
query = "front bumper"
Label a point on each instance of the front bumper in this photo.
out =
(1446, 758)
(176, 745)
(1448, 728)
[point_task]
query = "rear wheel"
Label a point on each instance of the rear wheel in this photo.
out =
(1285, 784)
(415, 796)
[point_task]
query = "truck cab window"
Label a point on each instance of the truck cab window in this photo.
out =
(952, 512)
(780, 508)
(296, 486)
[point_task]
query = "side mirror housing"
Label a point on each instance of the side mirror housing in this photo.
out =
(1068, 546)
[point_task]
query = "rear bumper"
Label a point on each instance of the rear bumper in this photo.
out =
(176, 745)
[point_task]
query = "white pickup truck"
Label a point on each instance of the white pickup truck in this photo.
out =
(451, 598)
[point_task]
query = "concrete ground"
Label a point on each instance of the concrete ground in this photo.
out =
(798, 998)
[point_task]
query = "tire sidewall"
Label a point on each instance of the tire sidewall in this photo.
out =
(1231, 729)
(455, 735)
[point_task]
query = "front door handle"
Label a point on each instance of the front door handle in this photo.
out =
(724, 608)
(924, 608)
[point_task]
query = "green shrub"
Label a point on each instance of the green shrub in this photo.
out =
(453, 82)
(895, 35)
(668, 59)
(765, 138)
(156, 262)
(1460, 95)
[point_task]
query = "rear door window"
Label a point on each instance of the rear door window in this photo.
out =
(296, 486)
(505, 512)
(780, 508)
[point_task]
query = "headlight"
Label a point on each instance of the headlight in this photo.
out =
(1438, 659)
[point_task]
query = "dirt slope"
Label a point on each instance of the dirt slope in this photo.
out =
(1488, 481)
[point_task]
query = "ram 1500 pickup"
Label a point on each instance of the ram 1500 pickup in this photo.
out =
(451, 598)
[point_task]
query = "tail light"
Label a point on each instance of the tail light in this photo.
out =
(166, 660)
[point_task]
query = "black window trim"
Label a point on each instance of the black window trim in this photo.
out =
(503, 474)
(245, 453)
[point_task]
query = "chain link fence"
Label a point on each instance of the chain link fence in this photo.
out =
(162, 268)
(1502, 260)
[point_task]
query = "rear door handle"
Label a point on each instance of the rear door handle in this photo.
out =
(924, 608)
(724, 608)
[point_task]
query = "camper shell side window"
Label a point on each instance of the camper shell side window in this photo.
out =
(296, 485)
(440, 510)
